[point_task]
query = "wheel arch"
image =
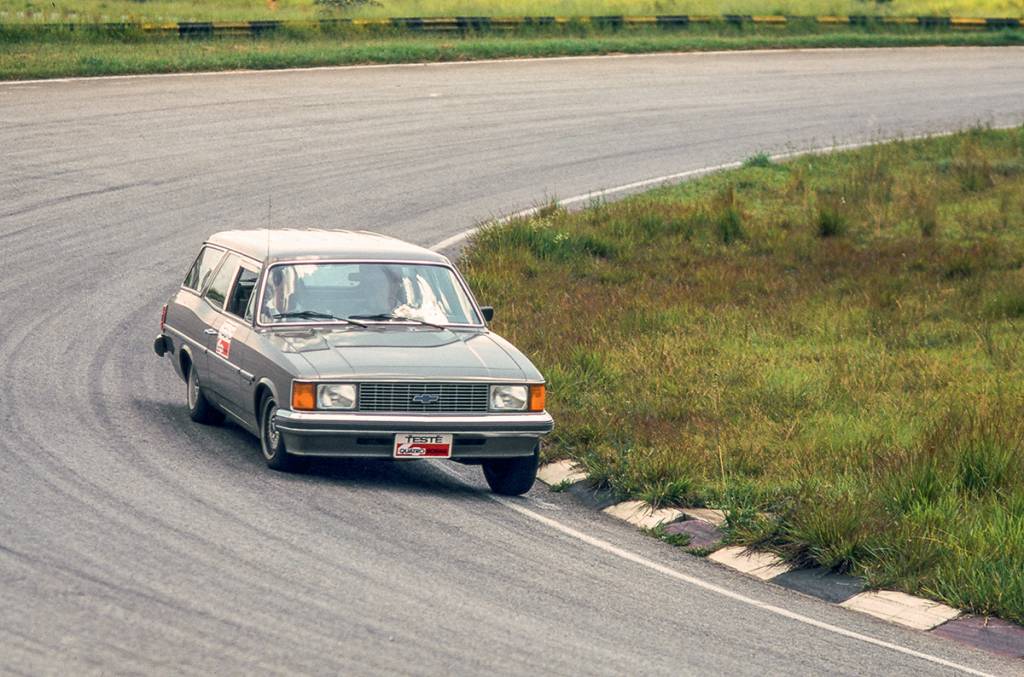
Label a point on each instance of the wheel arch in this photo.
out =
(185, 361)
(263, 388)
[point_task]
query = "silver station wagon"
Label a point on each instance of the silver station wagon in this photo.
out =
(351, 344)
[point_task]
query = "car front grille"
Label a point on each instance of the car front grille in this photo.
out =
(423, 397)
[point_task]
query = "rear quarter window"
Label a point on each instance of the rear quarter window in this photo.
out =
(205, 263)
(218, 289)
(200, 271)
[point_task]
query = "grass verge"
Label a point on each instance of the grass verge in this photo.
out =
(80, 53)
(834, 342)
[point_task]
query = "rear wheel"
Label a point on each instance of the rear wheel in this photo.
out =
(272, 442)
(512, 476)
(199, 408)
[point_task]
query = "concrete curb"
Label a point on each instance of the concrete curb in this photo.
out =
(560, 474)
(898, 607)
(641, 515)
(763, 565)
(926, 615)
(476, 24)
(709, 515)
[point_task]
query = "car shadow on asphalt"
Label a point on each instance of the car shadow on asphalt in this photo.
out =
(231, 444)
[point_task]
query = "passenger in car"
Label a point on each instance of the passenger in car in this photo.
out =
(376, 291)
(280, 296)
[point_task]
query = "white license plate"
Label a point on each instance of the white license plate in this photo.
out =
(423, 445)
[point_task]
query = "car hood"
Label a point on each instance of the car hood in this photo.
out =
(405, 352)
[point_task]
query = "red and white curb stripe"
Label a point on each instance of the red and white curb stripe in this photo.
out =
(888, 605)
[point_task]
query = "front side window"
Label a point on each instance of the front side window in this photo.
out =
(306, 292)
(200, 271)
(218, 289)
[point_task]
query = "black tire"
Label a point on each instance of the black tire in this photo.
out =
(272, 442)
(199, 408)
(512, 476)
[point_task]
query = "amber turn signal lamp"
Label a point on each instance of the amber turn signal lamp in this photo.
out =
(538, 393)
(303, 396)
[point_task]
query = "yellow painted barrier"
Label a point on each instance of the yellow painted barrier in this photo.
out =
(966, 22)
(479, 23)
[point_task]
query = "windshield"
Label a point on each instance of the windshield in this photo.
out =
(330, 292)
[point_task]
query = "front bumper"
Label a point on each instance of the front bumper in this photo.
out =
(355, 434)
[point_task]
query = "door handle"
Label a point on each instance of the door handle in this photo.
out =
(211, 331)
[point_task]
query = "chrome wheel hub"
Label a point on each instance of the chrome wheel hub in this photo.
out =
(193, 389)
(272, 430)
(271, 436)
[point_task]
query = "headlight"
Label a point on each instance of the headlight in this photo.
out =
(509, 398)
(336, 396)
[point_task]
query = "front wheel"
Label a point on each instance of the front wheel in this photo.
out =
(272, 442)
(512, 476)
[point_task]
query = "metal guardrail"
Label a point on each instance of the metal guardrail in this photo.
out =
(466, 24)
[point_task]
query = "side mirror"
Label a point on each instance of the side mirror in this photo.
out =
(488, 312)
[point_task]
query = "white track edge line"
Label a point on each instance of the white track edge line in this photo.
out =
(711, 587)
(643, 561)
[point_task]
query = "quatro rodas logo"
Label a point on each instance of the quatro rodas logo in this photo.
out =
(423, 445)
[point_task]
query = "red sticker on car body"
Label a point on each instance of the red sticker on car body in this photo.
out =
(224, 340)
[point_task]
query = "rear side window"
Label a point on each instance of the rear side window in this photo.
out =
(218, 289)
(201, 269)
(242, 293)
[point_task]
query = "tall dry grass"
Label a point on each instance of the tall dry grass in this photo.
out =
(835, 341)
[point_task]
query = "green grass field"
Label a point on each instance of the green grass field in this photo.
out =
(74, 56)
(830, 349)
(28, 50)
(227, 10)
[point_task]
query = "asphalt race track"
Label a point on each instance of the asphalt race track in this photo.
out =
(132, 540)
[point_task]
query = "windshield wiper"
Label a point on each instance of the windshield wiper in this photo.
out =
(315, 315)
(390, 317)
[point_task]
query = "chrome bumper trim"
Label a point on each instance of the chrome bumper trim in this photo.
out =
(484, 425)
